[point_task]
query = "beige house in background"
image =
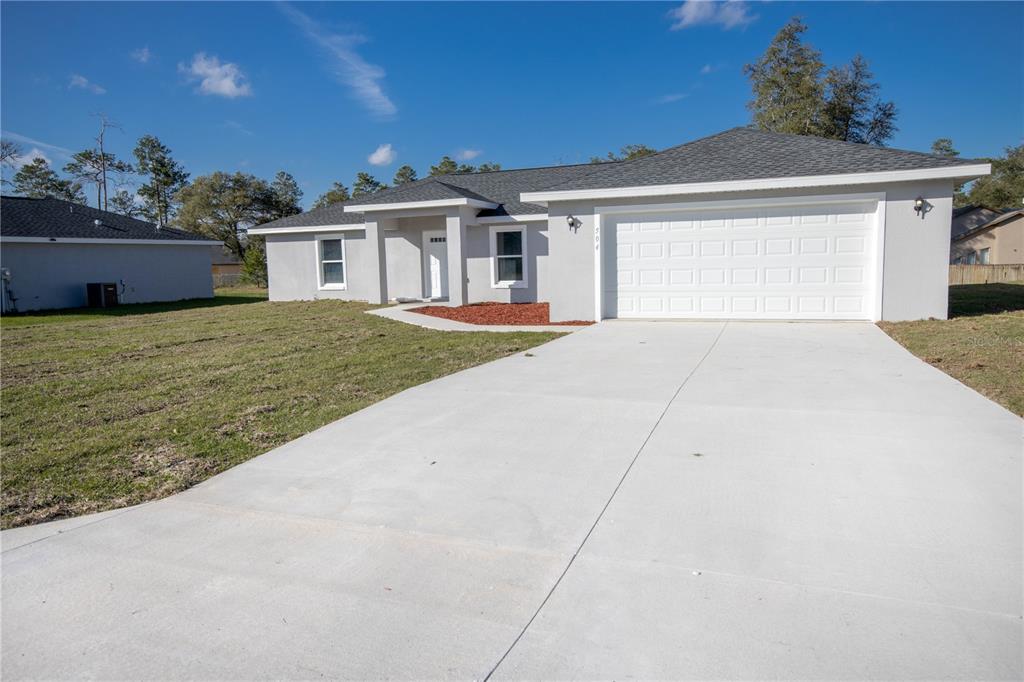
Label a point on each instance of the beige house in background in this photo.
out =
(983, 236)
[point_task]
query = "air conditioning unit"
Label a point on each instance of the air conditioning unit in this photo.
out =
(101, 294)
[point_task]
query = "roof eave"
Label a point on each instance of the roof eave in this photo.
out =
(296, 229)
(435, 203)
(960, 173)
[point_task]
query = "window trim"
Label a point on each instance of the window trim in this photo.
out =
(509, 284)
(321, 285)
(984, 256)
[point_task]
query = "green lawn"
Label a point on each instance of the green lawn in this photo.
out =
(982, 344)
(102, 409)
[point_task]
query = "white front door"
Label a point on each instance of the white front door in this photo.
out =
(435, 249)
(769, 262)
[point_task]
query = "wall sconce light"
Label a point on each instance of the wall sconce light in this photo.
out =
(573, 221)
(919, 206)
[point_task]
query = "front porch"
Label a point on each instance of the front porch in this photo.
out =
(446, 254)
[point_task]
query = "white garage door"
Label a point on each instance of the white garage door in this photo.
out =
(772, 262)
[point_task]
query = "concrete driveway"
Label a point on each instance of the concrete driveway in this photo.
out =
(652, 500)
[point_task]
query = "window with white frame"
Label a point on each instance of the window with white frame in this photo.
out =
(983, 257)
(508, 256)
(331, 262)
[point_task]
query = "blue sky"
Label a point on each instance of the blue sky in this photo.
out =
(317, 89)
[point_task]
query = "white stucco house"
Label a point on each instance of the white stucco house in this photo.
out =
(743, 224)
(51, 251)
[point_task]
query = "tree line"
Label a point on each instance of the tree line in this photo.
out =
(366, 184)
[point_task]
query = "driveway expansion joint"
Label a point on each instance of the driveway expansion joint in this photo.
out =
(608, 502)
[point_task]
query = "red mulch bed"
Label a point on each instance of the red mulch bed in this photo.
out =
(497, 313)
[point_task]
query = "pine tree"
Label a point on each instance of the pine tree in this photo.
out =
(165, 177)
(37, 180)
(286, 196)
(404, 175)
(92, 166)
(123, 202)
(335, 195)
(366, 184)
(446, 166)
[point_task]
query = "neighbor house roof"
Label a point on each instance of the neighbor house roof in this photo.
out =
(1001, 218)
(55, 219)
(734, 155)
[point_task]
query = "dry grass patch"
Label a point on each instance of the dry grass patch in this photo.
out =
(981, 345)
(103, 409)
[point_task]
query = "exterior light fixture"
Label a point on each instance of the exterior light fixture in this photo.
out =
(573, 221)
(919, 206)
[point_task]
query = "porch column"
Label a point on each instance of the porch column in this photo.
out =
(377, 269)
(456, 220)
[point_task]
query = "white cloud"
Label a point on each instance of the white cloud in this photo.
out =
(671, 97)
(77, 81)
(349, 67)
(32, 155)
(225, 80)
(728, 14)
(141, 55)
(467, 154)
(37, 150)
(706, 69)
(383, 155)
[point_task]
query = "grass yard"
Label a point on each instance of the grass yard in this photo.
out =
(102, 409)
(982, 344)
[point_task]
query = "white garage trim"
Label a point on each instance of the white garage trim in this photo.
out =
(878, 233)
(964, 172)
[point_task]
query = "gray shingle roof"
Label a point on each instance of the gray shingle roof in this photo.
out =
(747, 154)
(736, 154)
(58, 219)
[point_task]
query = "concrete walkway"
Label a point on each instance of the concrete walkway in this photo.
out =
(650, 500)
(403, 313)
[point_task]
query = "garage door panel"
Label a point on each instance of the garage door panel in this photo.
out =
(809, 262)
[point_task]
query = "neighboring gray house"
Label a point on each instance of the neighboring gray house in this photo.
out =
(743, 224)
(50, 250)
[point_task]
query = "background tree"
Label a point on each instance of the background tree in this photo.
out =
(446, 166)
(852, 111)
(366, 184)
(488, 167)
(786, 80)
(944, 147)
(123, 202)
(10, 152)
(92, 167)
(286, 196)
(1004, 188)
(37, 180)
(627, 153)
(404, 175)
(254, 264)
(164, 178)
(791, 96)
(223, 206)
(335, 195)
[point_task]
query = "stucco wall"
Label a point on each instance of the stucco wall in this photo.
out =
(478, 265)
(1004, 241)
(54, 275)
(292, 266)
(915, 267)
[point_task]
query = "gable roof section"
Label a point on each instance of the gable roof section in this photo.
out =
(1006, 217)
(58, 219)
(734, 155)
(748, 154)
